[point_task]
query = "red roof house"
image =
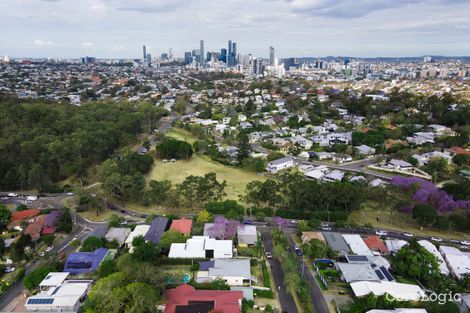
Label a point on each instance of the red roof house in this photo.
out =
(21, 215)
(459, 150)
(182, 225)
(374, 243)
(185, 299)
(34, 228)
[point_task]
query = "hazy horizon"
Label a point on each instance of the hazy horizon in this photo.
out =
(296, 28)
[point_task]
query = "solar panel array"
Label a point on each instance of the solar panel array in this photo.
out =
(357, 258)
(40, 301)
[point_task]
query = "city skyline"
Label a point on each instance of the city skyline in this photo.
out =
(296, 28)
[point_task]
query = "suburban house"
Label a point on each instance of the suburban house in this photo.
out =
(201, 247)
(337, 243)
(139, 230)
(156, 230)
(357, 245)
(118, 234)
(235, 272)
(280, 164)
(333, 176)
(375, 244)
(394, 245)
(432, 249)
(364, 150)
(398, 290)
(84, 262)
(457, 261)
(353, 272)
(58, 294)
(186, 299)
(182, 226)
(247, 235)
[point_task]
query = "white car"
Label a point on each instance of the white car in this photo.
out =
(326, 228)
(12, 194)
(294, 222)
(42, 253)
(436, 239)
(465, 243)
(409, 235)
(381, 233)
(70, 193)
(269, 255)
(48, 249)
(10, 270)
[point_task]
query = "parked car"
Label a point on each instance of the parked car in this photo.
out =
(465, 243)
(408, 235)
(70, 193)
(10, 269)
(298, 250)
(269, 255)
(247, 222)
(48, 249)
(326, 228)
(436, 239)
(294, 222)
(12, 194)
(381, 233)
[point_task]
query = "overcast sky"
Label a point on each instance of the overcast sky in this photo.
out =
(118, 28)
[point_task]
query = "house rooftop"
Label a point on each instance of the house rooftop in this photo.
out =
(182, 225)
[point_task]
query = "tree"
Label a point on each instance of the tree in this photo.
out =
(32, 280)
(142, 298)
(254, 164)
(65, 223)
(223, 228)
(461, 159)
(107, 267)
(203, 217)
(5, 216)
(92, 243)
(157, 192)
(170, 148)
(169, 237)
(146, 252)
(424, 214)
(262, 194)
(315, 249)
(414, 261)
(180, 105)
(196, 190)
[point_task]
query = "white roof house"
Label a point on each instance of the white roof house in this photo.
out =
(458, 262)
(53, 279)
(202, 247)
(333, 176)
(432, 249)
(397, 290)
(280, 164)
(315, 174)
(236, 272)
(119, 234)
(364, 150)
(357, 245)
(247, 235)
(61, 297)
(393, 245)
(139, 230)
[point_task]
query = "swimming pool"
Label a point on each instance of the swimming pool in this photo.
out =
(185, 278)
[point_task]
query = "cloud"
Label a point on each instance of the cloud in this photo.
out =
(87, 44)
(355, 8)
(41, 43)
(146, 6)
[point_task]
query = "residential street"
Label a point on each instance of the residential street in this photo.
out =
(286, 299)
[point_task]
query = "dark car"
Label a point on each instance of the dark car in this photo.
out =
(247, 222)
(298, 251)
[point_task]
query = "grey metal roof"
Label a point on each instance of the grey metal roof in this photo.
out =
(157, 228)
(336, 242)
(231, 267)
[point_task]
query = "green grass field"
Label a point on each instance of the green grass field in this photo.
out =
(198, 165)
(236, 178)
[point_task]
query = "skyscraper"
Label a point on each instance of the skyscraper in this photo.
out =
(229, 54)
(223, 55)
(271, 56)
(145, 53)
(201, 48)
(234, 53)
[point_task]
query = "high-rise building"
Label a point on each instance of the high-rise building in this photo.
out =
(229, 55)
(201, 48)
(144, 49)
(234, 53)
(188, 57)
(223, 55)
(271, 56)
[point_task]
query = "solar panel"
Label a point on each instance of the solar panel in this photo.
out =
(357, 258)
(40, 301)
(379, 274)
(386, 273)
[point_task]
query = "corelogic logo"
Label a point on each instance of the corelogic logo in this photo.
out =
(441, 298)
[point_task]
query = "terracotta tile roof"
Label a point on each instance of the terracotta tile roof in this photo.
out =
(21, 215)
(459, 150)
(182, 225)
(224, 301)
(376, 244)
(34, 229)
